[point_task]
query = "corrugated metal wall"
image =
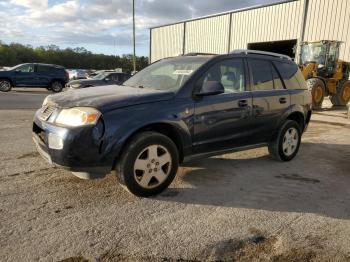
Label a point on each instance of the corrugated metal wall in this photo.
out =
(326, 20)
(329, 20)
(271, 23)
(208, 35)
(166, 41)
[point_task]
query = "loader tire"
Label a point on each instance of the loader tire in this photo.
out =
(342, 97)
(318, 90)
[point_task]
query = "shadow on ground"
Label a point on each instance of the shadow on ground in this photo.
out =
(316, 181)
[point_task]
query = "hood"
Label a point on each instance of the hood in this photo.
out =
(106, 98)
(85, 82)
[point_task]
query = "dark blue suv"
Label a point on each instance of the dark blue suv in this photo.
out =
(175, 110)
(53, 77)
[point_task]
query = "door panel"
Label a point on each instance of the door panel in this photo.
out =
(43, 75)
(222, 121)
(268, 107)
(270, 99)
(25, 75)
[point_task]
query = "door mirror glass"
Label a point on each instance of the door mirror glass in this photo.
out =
(211, 88)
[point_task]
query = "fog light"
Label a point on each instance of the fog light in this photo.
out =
(55, 142)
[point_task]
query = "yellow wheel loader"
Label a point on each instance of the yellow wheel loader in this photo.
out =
(326, 75)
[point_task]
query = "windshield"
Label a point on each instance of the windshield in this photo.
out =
(14, 67)
(168, 74)
(100, 76)
(314, 52)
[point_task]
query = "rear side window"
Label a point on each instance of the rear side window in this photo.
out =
(44, 69)
(292, 77)
(262, 74)
(277, 82)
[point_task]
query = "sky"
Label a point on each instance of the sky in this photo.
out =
(100, 26)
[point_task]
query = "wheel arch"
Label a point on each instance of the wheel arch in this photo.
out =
(57, 80)
(8, 79)
(299, 118)
(168, 129)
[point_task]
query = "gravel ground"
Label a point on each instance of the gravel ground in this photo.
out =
(242, 206)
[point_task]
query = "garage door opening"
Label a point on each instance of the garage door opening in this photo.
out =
(286, 47)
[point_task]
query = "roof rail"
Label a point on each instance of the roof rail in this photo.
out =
(195, 54)
(257, 52)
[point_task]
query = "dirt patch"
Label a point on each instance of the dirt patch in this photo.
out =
(169, 193)
(112, 256)
(75, 259)
(258, 248)
(32, 154)
(298, 178)
(38, 171)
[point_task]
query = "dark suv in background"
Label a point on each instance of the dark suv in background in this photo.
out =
(102, 79)
(53, 77)
(175, 110)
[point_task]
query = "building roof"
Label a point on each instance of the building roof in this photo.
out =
(226, 12)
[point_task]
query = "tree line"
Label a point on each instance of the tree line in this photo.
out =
(14, 54)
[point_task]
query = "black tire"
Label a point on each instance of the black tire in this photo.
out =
(276, 145)
(56, 86)
(342, 97)
(133, 151)
(5, 85)
(318, 90)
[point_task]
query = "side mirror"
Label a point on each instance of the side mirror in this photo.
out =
(210, 88)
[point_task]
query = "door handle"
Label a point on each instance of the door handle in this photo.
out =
(242, 103)
(283, 100)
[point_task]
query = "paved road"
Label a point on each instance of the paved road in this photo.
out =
(242, 206)
(23, 98)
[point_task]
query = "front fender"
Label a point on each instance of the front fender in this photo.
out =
(123, 123)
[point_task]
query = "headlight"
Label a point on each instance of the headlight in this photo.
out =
(75, 85)
(45, 101)
(78, 116)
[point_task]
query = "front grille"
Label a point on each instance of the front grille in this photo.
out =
(46, 111)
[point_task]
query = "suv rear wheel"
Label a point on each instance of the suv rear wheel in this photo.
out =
(148, 164)
(56, 86)
(286, 142)
(5, 85)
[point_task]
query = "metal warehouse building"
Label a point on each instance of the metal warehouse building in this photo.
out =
(278, 27)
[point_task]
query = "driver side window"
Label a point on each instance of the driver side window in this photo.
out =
(230, 73)
(25, 69)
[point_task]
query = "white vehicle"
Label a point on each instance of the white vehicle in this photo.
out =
(77, 74)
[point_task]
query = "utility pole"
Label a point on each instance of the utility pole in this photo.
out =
(133, 31)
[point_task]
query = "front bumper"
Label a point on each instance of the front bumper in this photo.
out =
(79, 148)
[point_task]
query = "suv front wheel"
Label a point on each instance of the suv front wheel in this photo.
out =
(286, 142)
(148, 164)
(5, 85)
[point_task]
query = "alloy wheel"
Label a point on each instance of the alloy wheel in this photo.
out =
(290, 141)
(152, 166)
(4, 85)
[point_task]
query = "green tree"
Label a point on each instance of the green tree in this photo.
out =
(13, 54)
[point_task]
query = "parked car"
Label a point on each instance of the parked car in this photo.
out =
(95, 73)
(173, 111)
(101, 79)
(77, 74)
(53, 77)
